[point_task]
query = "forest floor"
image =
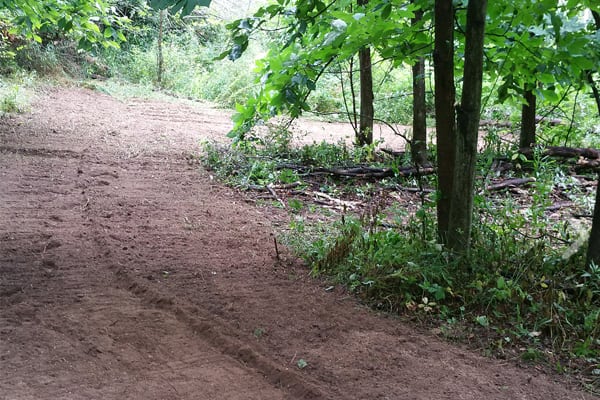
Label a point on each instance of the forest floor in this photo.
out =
(127, 273)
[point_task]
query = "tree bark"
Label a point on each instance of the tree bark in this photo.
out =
(160, 61)
(443, 61)
(527, 137)
(418, 144)
(590, 74)
(595, 91)
(461, 210)
(593, 252)
(365, 133)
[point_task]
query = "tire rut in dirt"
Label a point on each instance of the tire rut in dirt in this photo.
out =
(112, 212)
(67, 330)
(213, 332)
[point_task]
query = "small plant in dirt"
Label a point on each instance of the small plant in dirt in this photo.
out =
(301, 364)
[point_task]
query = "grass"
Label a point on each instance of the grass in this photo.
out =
(16, 93)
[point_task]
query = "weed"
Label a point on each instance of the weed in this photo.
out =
(259, 332)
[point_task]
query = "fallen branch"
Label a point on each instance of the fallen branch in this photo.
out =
(337, 202)
(565, 152)
(587, 165)
(559, 205)
(394, 153)
(363, 172)
(283, 186)
(507, 124)
(270, 189)
(510, 183)
(415, 189)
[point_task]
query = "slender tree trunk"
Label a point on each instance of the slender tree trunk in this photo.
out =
(365, 134)
(160, 61)
(596, 16)
(367, 113)
(593, 252)
(418, 144)
(527, 137)
(590, 74)
(461, 210)
(595, 91)
(443, 60)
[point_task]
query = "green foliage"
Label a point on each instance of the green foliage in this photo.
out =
(190, 68)
(9, 102)
(174, 6)
(265, 160)
(15, 93)
(317, 35)
(88, 22)
(521, 283)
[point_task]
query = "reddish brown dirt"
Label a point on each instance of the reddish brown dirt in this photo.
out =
(126, 273)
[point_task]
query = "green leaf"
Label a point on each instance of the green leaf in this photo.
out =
(386, 11)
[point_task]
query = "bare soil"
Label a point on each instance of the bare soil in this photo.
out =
(127, 273)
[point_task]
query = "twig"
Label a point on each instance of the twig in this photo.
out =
(342, 203)
(270, 189)
(293, 358)
(558, 206)
(510, 183)
(415, 189)
(276, 248)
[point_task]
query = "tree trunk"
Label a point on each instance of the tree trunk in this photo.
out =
(418, 144)
(593, 252)
(365, 134)
(461, 210)
(595, 91)
(527, 137)
(160, 61)
(365, 131)
(596, 16)
(590, 74)
(443, 60)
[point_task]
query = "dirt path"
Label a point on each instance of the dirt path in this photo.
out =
(126, 273)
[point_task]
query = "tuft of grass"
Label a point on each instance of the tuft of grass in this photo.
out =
(15, 93)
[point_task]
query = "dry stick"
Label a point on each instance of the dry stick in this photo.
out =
(565, 152)
(415, 189)
(276, 248)
(270, 189)
(510, 183)
(343, 203)
(283, 186)
(558, 206)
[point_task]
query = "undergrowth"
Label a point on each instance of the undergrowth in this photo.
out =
(16, 93)
(523, 291)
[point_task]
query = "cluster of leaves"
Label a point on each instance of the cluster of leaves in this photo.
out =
(543, 46)
(89, 22)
